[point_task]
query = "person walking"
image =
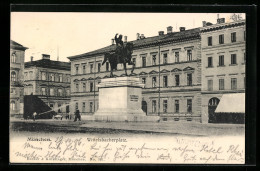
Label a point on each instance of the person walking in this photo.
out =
(77, 116)
(34, 116)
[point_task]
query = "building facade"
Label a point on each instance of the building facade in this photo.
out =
(223, 63)
(168, 64)
(50, 81)
(16, 78)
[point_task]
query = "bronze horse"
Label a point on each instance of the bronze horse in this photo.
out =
(123, 58)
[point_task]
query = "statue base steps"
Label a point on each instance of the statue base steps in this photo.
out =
(122, 115)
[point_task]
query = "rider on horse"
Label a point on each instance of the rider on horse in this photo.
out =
(119, 46)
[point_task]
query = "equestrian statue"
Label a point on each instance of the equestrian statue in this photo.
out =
(122, 55)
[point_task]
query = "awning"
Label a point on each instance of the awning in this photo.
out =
(231, 103)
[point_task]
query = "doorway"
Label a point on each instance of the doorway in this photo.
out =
(213, 103)
(144, 107)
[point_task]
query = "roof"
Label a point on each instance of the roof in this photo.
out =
(46, 63)
(231, 103)
(146, 42)
(15, 45)
(221, 26)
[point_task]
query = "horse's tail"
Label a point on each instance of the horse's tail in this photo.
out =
(105, 58)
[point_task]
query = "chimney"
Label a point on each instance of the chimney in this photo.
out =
(142, 36)
(46, 56)
(31, 58)
(208, 24)
(125, 39)
(204, 23)
(182, 28)
(161, 33)
(137, 36)
(220, 20)
(113, 41)
(169, 29)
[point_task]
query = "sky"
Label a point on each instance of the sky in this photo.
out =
(68, 34)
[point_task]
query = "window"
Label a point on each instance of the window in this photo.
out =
(59, 92)
(77, 69)
(177, 106)
(244, 35)
(84, 87)
(68, 79)
(13, 91)
(77, 87)
(165, 81)
(189, 79)
(144, 81)
(52, 77)
(233, 59)
(13, 76)
(189, 55)
(154, 82)
(91, 68)
(76, 106)
(189, 105)
(13, 58)
(59, 108)
(68, 92)
(83, 106)
(221, 39)
(51, 105)
(233, 37)
(210, 62)
(165, 58)
(99, 67)
(165, 106)
(153, 106)
(244, 57)
(84, 68)
(221, 84)
(43, 91)
(26, 76)
(210, 41)
(221, 60)
(90, 107)
(107, 66)
(60, 78)
(12, 105)
(210, 85)
(177, 80)
(31, 75)
(43, 76)
(134, 61)
(51, 92)
(233, 83)
(91, 86)
(177, 57)
(143, 61)
(154, 59)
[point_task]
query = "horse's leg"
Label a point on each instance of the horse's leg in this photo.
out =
(133, 67)
(111, 73)
(125, 68)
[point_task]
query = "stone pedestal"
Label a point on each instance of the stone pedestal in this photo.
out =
(120, 100)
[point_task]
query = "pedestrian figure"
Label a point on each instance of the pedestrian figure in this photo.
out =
(34, 116)
(77, 116)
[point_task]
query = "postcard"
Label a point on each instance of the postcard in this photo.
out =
(145, 88)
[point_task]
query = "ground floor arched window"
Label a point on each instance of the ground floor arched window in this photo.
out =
(13, 76)
(212, 105)
(12, 105)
